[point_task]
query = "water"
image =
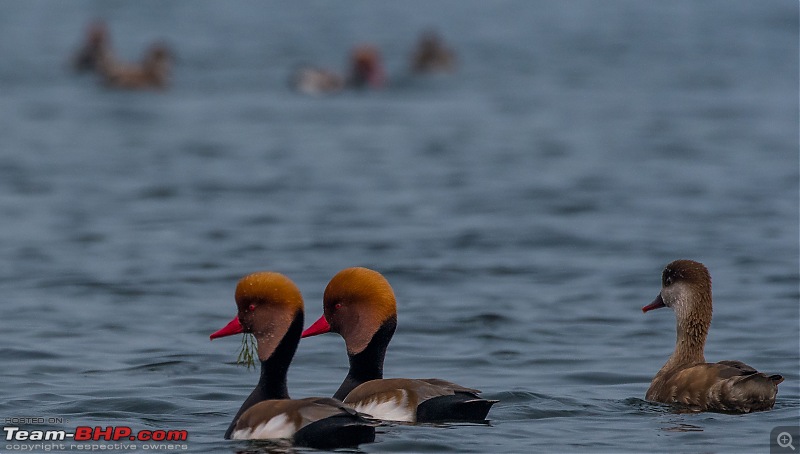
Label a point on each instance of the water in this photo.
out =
(522, 208)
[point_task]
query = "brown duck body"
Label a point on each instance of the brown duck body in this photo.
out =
(271, 307)
(726, 386)
(359, 304)
(418, 400)
(687, 379)
(152, 73)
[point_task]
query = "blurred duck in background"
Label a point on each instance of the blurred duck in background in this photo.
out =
(365, 71)
(366, 68)
(152, 72)
(316, 81)
(431, 55)
(97, 56)
(96, 48)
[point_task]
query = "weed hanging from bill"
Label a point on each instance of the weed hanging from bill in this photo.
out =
(247, 354)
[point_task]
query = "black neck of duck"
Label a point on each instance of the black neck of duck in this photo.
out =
(368, 364)
(272, 383)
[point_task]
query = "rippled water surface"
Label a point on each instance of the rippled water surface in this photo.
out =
(522, 208)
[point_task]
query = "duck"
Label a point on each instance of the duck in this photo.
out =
(95, 50)
(431, 55)
(270, 306)
(153, 71)
(687, 380)
(366, 68)
(365, 71)
(311, 80)
(359, 305)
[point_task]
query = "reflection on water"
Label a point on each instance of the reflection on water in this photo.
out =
(683, 428)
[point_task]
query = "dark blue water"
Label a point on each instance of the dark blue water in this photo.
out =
(523, 209)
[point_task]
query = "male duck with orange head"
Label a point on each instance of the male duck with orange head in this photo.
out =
(359, 305)
(271, 308)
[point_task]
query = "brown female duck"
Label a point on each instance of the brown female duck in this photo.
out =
(686, 379)
(152, 72)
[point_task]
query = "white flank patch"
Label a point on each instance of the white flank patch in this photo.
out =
(277, 427)
(388, 410)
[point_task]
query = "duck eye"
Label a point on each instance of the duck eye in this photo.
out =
(252, 307)
(337, 305)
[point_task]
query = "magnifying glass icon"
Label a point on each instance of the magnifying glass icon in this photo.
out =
(785, 440)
